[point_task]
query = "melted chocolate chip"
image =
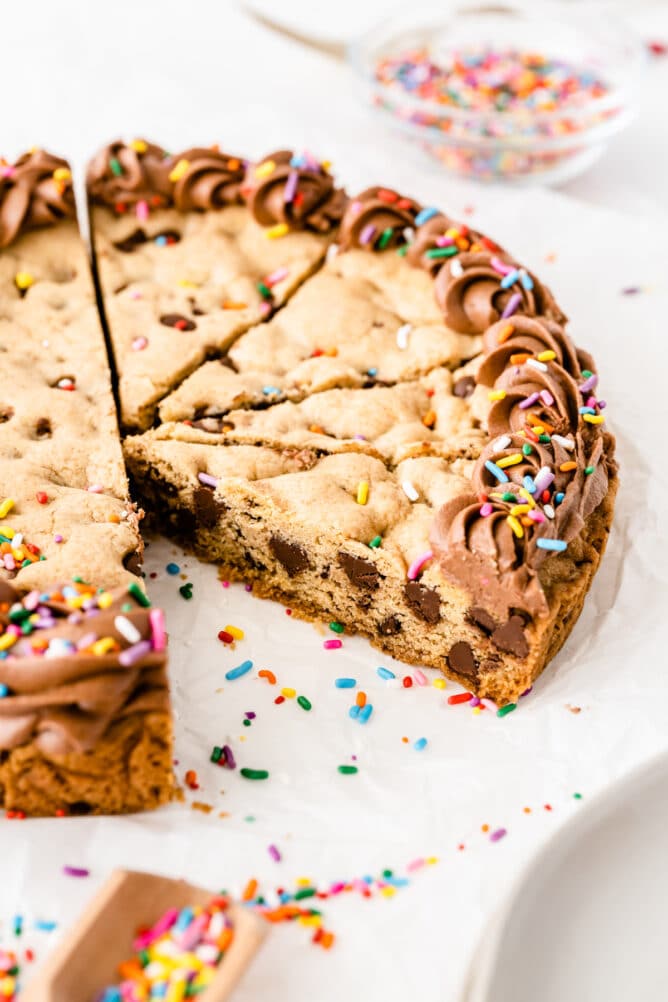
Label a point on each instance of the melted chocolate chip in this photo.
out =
(510, 637)
(462, 661)
(208, 508)
(361, 573)
(6, 414)
(131, 242)
(133, 562)
(390, 626)
(80, 808)
(291, 555)
(424, 602)
(464, 387)
(176, 320)
(43, 428)
(481, 618)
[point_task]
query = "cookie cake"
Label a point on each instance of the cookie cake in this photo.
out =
(362, 407)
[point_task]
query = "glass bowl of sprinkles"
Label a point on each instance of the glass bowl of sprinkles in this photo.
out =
(524, 92)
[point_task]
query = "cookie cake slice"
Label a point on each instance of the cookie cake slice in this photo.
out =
(430, 466)
(193, 248)
(85, 724)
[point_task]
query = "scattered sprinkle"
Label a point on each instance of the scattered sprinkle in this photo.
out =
(239, 671)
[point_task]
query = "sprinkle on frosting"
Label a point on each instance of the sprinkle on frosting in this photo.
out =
(141, 176)
(35, 191)
(73, 659)
(549, 462)
(293, 191)
(540, 477)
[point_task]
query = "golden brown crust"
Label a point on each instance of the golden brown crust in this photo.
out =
(238, 536)
(130, 769)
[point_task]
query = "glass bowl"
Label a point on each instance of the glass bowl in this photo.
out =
(524, 142)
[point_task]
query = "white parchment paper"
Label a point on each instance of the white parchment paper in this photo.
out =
(475, 770)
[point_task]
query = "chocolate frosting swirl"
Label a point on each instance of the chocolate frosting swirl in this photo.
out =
(62, 694)
(527, 336)
(35, 191)
(544, 472)
(484, 556)
(555, 395)
(544, 418)
(211, 180)
(123, 174)
(295, 190)
(440, 231)
(377, 219)
(470, 293)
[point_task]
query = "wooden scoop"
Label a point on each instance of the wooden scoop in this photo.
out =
(87, 958)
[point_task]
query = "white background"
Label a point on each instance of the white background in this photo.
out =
(76, 75)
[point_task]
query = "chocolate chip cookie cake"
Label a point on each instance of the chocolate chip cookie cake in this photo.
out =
(362, 407)
(406, 440)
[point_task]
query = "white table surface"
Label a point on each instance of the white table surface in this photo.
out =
(79, 74)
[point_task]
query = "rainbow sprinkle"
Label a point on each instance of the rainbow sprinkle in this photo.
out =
(177, 957)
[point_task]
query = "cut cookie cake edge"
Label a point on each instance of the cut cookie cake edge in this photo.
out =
(394, 431)
(483, 571)
(193, 248)
(85, 724)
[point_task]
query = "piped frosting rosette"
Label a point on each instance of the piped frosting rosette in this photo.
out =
(438, 238)
(293, 191)
(124, 174)
(378, 219)
(205, 178)
(474, 290)
(35, 191)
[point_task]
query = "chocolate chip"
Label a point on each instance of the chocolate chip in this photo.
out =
(461, 660)
(228, 363)
(291, 555)
(390, 626)
(510, 637)
(136, 238)
(43, 428)
(464, 387)
(425, 602)
(133, 562)
(481, 618)
(361, 573)
(6, 414)
(208, 508)
(80, 807)
(176, 320)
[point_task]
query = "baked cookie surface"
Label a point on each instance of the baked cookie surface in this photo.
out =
(85, 725)
(412, 444)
